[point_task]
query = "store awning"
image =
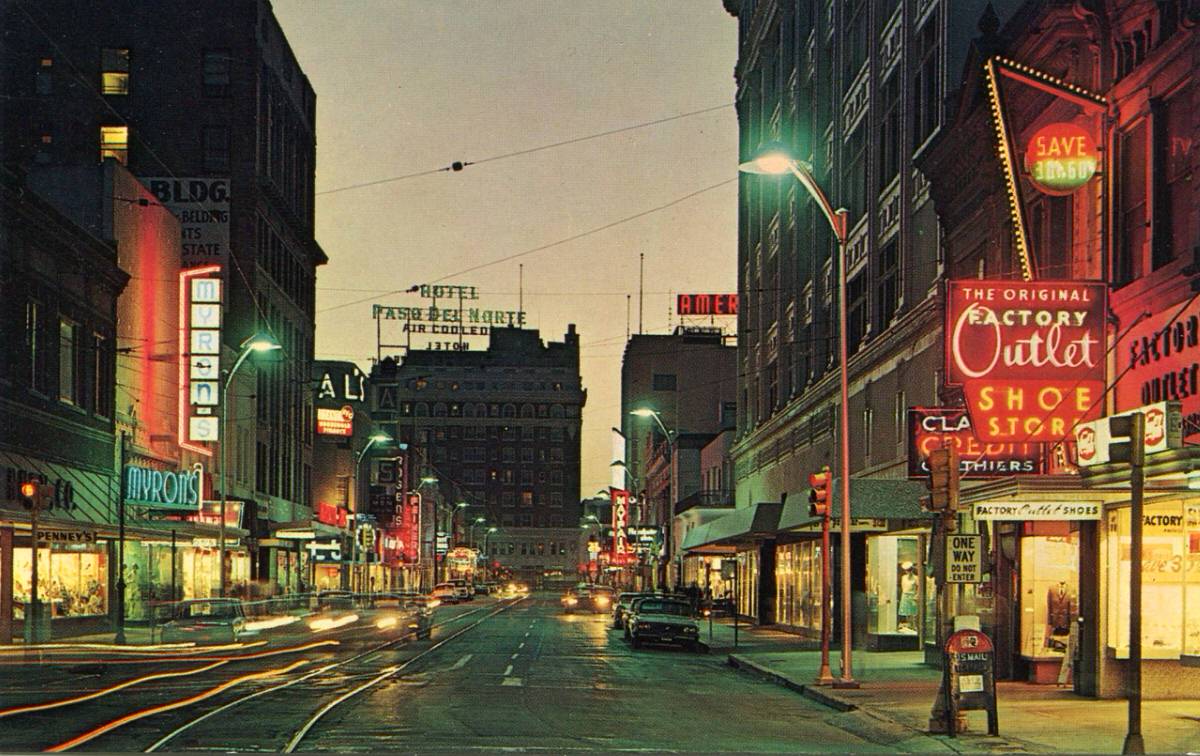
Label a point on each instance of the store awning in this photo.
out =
(881, 499)
(742, 526)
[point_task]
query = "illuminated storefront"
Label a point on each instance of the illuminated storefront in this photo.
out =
(896, 592)
(1170, 580)
(798, 585)
(72, 580)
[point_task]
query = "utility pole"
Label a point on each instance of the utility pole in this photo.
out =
(1133, 426)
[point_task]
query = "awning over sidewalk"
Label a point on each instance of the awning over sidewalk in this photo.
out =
(870, 499)
(742, 526)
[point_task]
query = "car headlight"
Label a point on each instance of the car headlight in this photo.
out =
(643, 626)
(571, 601)
(689, 629)
(601, 601)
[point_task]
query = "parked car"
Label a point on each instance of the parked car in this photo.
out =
(447, 593)
(213, 620)
(621, 606)
(662, 619)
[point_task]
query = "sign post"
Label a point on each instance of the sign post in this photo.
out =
(969, 678)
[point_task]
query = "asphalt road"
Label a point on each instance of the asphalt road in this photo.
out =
(495, 676)
(533, 678)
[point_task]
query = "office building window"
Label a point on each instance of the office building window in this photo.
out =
(664, 382)
(102, 376)
(927, 82)
(214, 142)
(1132, 190)
(1173, 149)
(35, 348)
(68, 361)
(114, 143)
(856, 315)
(888, 293)
(114, 70)
(217, 65)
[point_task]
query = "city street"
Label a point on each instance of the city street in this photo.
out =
(496, 675)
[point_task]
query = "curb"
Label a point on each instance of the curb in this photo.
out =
(814, 692)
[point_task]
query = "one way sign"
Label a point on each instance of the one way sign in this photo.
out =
(964, 559)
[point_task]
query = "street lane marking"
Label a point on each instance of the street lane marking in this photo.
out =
(462, 662)
(513, 682)
(522, 645)
(514, 656)
(508, 670)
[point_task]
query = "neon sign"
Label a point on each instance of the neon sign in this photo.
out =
(165, 489)
(335, 422)
(1029, 355)
(706, 304)
(199, 357)
(622, 550)
(932, 428)
(1060, 158)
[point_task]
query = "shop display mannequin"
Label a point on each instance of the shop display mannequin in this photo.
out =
(908, 597)
(1059, 606)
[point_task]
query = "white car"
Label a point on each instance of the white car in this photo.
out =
(215, 620)
(464, 589)
(447, 593)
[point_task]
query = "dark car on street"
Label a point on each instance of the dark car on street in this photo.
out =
(662, 619)
(622, 605)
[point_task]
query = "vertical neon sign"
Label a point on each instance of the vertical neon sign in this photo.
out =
(199, 357)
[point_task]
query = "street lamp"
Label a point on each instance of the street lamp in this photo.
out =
(670, 513)
(375, 438)
(776, 160)
(471, 530)
(487, 558)
(459, 507)
(254, 345)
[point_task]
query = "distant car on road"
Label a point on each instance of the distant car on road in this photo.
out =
(447, 593)
(405, 609)
(570, 601)
(465, 591)
(661, 619)
(212, 620)
(601, 598)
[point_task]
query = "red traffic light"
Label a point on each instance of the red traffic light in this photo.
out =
(818, 496)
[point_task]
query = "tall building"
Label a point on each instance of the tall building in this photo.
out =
(855, 90)
(499, 431)
(689, 378)
(205, 103)
(59, 286)
(1120, 76)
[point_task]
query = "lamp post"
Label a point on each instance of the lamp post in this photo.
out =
(376, 438)
(252, 345)
(471, 529)
(670, 513)
(429, 480)
(775, 161)
(487, 558)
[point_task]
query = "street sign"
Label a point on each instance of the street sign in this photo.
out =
(969, 678)
(964, 558)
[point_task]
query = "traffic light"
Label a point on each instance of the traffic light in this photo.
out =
(818, 497)
(35, 494)
(1127, 434)
(943, 479)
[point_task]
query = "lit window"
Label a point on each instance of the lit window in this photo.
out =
(114, 71)
(67, 362)
(114, 143)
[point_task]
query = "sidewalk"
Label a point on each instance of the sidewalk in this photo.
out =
(898, 689)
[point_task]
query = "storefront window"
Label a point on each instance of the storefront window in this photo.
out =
(1169, 551)
(72, 583)
(1049, 589)
(747, 580)
(893, 585)
(798, 585)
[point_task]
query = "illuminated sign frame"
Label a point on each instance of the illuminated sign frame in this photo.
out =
(1029, 355)
(335, 422)
(1061, 158)
(164, 489)
(622, 550)
(200, 316)
(932, 428)
(706, 304)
